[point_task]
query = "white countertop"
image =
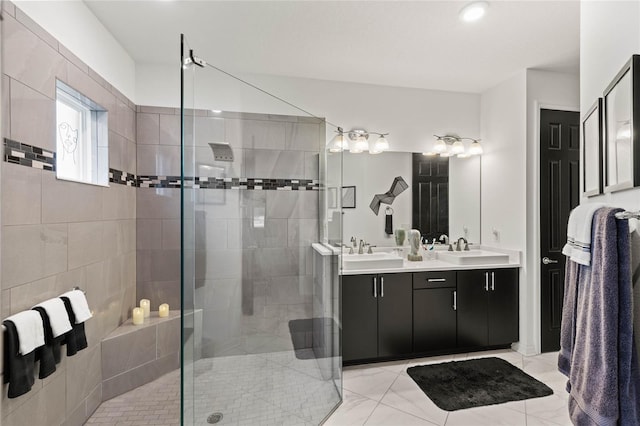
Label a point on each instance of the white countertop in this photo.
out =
(425, 265)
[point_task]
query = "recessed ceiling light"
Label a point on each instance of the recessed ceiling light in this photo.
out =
(473, 11)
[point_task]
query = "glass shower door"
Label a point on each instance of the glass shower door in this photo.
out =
(260, 304)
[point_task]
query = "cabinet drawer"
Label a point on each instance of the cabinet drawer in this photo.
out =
(434, 279)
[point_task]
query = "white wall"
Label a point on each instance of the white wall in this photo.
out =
(411, 116)
(551, 91)
(503, 204)
(78, 29)
(609, 35)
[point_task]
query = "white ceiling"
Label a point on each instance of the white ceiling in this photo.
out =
(394, 43)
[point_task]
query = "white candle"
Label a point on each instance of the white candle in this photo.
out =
(145, 305)
(163, 310)
(138, 316)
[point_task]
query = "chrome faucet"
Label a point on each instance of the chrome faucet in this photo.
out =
(349, 247)
(361, 247)
(444, 237)
(466, 244)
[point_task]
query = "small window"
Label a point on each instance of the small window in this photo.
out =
(82, 153)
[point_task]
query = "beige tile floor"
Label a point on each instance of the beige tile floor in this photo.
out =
(374, 394)
(383, 394)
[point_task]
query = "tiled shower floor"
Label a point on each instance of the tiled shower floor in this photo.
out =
(264, 389)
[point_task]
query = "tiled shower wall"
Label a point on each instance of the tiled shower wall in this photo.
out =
(58, 234)
(253, 263)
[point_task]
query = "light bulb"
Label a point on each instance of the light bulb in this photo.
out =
(339, 143)
(361, 144)
(473, 11)
(463, 155)
(475, 148)
(429, 154)
(440, 146)
(457, 148)
(381, 144)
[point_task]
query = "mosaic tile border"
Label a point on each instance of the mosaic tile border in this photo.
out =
(27, 155)
(122, 178)
(32, 156)
(229, 183)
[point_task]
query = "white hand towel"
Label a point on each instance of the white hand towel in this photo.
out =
(58, 317)
(578, 247)
(79, 305)
(30, 330)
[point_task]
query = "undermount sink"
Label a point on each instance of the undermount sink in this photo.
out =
(473, 257)
(371, 261)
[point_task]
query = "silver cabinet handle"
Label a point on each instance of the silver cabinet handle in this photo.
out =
(493, 281)
(455, 300)
(381, 286)
(486, 281)
(375, 287)
(548, 261)
(436, 280)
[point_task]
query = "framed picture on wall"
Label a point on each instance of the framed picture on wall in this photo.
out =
(348, 197)
(592, 150)
(621, 113)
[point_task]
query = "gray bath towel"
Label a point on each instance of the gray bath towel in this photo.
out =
(599, 358)
(568, 325)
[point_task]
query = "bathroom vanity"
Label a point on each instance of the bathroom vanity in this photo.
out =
(427, 308)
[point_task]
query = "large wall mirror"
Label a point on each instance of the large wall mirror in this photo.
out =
(443, 195)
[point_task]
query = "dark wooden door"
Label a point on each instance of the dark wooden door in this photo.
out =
(559, 193)
(434, 319)
(503, 326)
(472, 308)
(394, 314)
(359, 317)
(430, 186)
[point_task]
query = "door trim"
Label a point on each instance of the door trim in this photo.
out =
(533, 264)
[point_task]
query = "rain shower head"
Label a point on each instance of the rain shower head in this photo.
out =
(221, 151)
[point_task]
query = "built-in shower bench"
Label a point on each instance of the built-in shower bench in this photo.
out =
(133, 355)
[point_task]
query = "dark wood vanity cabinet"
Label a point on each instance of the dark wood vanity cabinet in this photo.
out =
(376, 316)
(434, 311)
(487, 307)
(386, 316)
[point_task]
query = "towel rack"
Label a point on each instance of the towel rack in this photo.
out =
(628, 215)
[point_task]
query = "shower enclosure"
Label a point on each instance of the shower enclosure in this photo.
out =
(260, 306)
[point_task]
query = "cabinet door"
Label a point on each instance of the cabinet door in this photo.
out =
(434, 319)
(472, 308)
(394, 314)
(359, 317)
(503, 307)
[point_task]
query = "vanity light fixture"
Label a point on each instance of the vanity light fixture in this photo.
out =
(473, 11)
(450, 145)
(357, 141)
